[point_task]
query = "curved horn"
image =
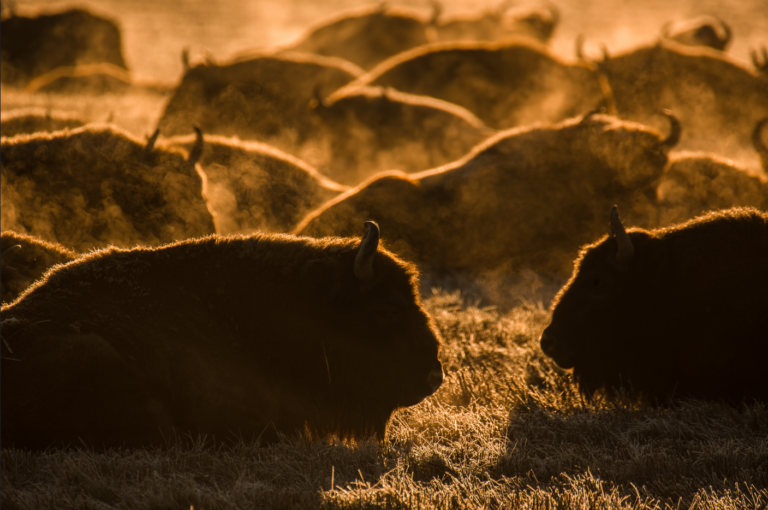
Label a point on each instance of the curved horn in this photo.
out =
(600, 110)
(674, 132)
(437, 11)
(626, 250)
(10, 253)
(151, 141)
(760, 64)
(728, 34)
(197, 149)
(580, 47)
(757, 142)
(364, 258)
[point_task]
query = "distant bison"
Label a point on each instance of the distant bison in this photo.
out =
(516, 201)
(370, 129)
(506, 20)
(33, 46)
(695, 183)
(94, 79)
(228, 337)
(261, 97)
(252, 186)
(32, 120)
(25, 259)
(97, 185)
(672, 312)
(704, 30)
(366, 36)
(506, 84)
(717, 98)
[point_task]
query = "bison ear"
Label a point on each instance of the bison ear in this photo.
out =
(364, 259)
(626, 250)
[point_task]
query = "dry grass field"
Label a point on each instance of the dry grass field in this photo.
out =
(508, 429)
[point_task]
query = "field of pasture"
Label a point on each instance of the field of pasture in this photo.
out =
(508, 429)
(485, 162)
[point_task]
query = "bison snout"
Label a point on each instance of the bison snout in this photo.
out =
(556, 351)
(547, 344)
(435, 379)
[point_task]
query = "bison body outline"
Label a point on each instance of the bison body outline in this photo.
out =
(670, 312)
(228, 337)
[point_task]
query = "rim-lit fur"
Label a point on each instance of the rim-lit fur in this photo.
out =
(684, 317)
(229, 337)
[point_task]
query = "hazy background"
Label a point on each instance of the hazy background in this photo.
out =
(155, 31)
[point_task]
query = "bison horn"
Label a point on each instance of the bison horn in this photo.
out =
(626, 250)
(600, 110)
(760, 62)
(151, 142)
(364, 258)
(197, 149)
(674, 131)
(437, 11)
(757, 142)
(10, 253)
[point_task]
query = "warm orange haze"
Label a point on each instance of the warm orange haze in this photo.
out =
(435, 254)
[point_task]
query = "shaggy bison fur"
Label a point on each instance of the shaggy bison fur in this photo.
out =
(228, 337)
(671, 312)
(25, 259)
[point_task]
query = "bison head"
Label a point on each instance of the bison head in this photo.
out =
(636, 153)
(596, 326)
(381, 349)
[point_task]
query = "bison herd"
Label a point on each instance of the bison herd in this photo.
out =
(210, 278)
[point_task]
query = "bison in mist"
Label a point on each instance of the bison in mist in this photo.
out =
(97, 185)
(717, 98)
(95, 79)
(262, 98)
(370, 129)
(366, 36)
(33, 46)
(516, 201)
(506, 84)
(25, 259)
(504, 21)
(228, 337)
(694, 183)
(252, 186)
(32, 120)
(678, 311)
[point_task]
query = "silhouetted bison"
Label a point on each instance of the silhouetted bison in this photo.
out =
(24, 259)
(95, 79)
(506, 20)
(678, 311)
(260, 98)
(512, 83)
(231, 337)
(252, 186)
(516, 201)
(34, 46)
(97, 185)
(32, 120)
(370, 129)
(717, 98)
(704, 30)
(695, 183)
(366, 36)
